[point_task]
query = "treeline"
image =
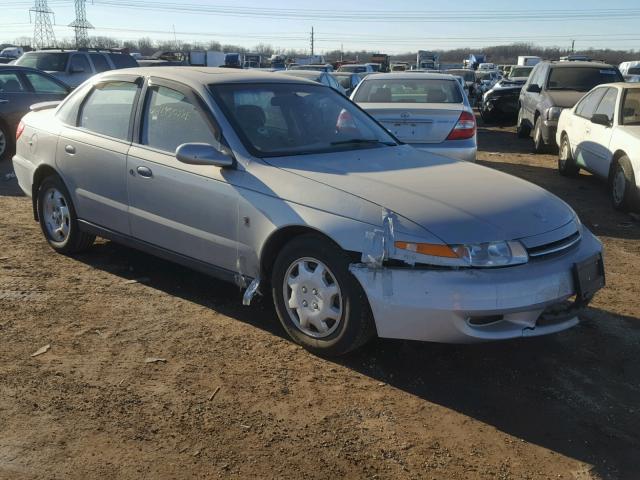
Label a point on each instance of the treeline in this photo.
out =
(500, 54)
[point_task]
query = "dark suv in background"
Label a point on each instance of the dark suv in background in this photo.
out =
(551, 87)
(75, 66)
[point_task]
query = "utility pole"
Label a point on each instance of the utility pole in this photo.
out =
(312, 42)
(573, 44)
(43, 35)
(81, 24)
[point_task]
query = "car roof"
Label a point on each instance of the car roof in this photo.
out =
(409, 76)
(580, 64)
(207, 75)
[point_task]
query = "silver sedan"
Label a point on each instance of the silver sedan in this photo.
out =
(427, 110)
(288, 189)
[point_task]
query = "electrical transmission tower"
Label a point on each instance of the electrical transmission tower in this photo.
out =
(81, 24)
(43, 35)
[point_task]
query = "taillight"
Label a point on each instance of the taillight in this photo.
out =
(19, 130)
(465, 128)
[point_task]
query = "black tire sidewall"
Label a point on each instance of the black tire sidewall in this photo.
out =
(355, 324)
(570, 168)
(70, 244)
(6, 155)
(630, 197)
(538, 141)
(521, 129)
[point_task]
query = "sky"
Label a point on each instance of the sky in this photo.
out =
(388, 26)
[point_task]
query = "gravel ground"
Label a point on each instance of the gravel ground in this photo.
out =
(235, 399)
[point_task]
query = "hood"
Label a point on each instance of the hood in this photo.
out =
(459, 202)
(565, 98)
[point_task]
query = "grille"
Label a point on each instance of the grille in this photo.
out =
(554, 247)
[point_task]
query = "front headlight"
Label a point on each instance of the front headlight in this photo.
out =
(553, 113)
(490, 254)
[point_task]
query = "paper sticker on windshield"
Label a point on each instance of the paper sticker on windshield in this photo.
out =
(608, 72)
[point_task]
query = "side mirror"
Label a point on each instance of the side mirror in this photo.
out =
(600, 119)
(533, 88)
(77, 69)
(203, 154)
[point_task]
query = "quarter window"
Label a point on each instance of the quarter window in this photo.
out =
(587, 105)
(107, 110)
(171, 119)
(608, 104)
(42, 84)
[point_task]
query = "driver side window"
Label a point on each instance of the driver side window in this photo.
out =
(171, 119)
(588, 104)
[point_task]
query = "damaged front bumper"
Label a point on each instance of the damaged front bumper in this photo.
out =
(473, 305)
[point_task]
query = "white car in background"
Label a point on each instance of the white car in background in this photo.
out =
(429, 111)
(630, 71)
(602, 135)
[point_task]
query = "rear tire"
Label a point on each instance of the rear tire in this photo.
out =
(6, 143)
(58, 219)
(522, 130)
(622, 185)
(320, 303)
(567, 165)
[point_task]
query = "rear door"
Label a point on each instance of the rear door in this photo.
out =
(188, 209)
(15, 98)
(92, 152)
(598, 137)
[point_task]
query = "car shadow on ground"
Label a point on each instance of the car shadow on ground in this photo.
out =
(8, 183)
(562, 392)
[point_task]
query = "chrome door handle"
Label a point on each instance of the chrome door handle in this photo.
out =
(70, 149)
(144, 172)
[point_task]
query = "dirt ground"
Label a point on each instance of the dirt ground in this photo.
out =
(565, 406)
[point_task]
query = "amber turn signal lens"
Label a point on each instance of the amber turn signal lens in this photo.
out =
(432, 249)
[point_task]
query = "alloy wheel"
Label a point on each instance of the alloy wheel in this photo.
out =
(57, 217)
(619, 186)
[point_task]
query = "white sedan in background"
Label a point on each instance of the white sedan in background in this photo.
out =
(429, 111)
(602, 135)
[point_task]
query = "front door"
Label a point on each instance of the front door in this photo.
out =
(596, 147)
(187, 209)
(92, 154)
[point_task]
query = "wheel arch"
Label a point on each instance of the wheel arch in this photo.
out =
(280, 237)
(42, 172)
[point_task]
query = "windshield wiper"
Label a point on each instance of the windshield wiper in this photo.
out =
(371, 141)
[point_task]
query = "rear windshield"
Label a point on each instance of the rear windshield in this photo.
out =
(353, 68)
(634, 71)
(520, 72)
(581, 79)
(344, 81)
(631, 107)
(468, 75)
(122, 60)
(48, 61)
(409, 91)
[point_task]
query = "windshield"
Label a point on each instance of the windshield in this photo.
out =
(344, 81)
(468, 75)
(631, 107)
(407, 90)
(581, 79)
(48, 61)
(275, 120)
(520, 72)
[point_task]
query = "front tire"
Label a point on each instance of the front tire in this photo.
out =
(538, 142)
(6, 143)
(58, 219)
(522, 130)
(567, 165)
(623, 190)
(320, 303)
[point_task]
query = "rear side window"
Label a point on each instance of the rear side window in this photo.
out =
(80, 64)
(631, 107)
(171, 119)
(123, 60)
(608, 103)
(42, 84)
(588, 104)
(107, 109)
(10, 83)
(99, 62)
